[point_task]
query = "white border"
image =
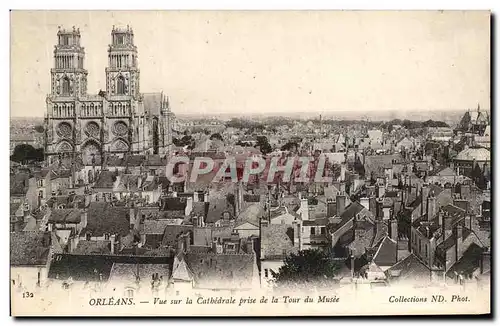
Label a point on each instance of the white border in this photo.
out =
(494, 5)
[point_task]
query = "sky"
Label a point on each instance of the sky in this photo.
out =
(262, 62)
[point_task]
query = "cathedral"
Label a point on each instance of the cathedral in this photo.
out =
(117, 121)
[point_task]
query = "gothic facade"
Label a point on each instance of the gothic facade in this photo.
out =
(118, 120)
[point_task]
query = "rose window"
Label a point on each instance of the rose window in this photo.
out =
(93, 129)
(120, 128)
(64, 130)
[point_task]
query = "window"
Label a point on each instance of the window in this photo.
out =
(66, 86)
(64, 40)
(129, 293)
(313, 231)
(40, 194)
(120, 82)
(323, 230)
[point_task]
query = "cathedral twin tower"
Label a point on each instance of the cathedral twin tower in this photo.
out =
(118, 120)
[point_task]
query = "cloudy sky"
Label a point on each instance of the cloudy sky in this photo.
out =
(274, 62)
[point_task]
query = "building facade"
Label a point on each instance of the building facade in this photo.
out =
(118, 120)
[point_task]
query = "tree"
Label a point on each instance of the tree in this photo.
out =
(24, 153)
(290, 146)
(264, 145)
(39, 128)
(216, 136)
(306, 269)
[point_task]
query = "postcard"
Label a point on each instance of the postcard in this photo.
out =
(250, 163)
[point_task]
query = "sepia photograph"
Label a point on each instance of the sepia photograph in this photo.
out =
(250, 163)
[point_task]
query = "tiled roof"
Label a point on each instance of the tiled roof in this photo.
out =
(65, 215)
(358, 246)
(200, 209)
(128, 272)
(409, 269)
(251, 214)
(386, 254)
(351, 211)
(277, 241)
(216, 209)
(172, 232)
(202, 236)
(470, 261)
(172, 204)
(19, 183)
(469, 154)
(180, 270)
(14, 207)
(380, 233)
(29, 248)
(87, 247)
(91, 267)
(155, 226)
(225, 271)
(106, 179)
(104, 218)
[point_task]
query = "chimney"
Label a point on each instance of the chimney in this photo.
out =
(365, 201)
(112, 244)
(239, 196)
(370, 252)
(299, 235)
(462, 203)
(468, 222)
(352, 262)
(341, 199)
(342, 187)
(380, 209)
(187, 241)
(330, 208)
(379, 225)
(431, 207)
(132, 217)
(214, 246)
(394, 229)
(181, 244)
(485, 262)
(465, 191)
(304, 208)
(189, 206)
(459, 241)
(84, 219)
(372, 204)
(425, 195)
(380, 191)
(249, 246)
(205, 197)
